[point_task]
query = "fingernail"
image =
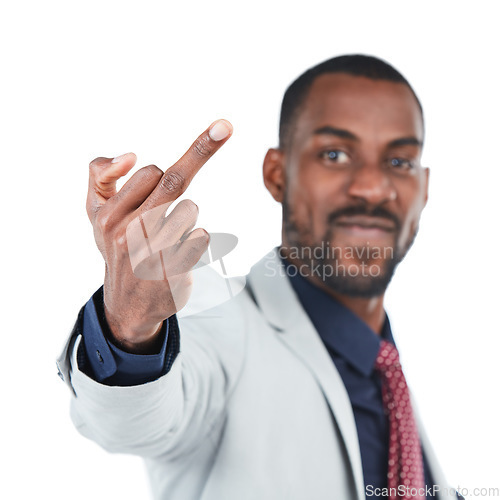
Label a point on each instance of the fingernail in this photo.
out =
(118, 158)
(220, 130)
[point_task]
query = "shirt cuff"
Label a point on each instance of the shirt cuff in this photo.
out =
(106, 363)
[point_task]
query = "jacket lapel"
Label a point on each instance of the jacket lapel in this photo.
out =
(279, 304)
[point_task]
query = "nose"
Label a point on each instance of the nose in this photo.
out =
(371, 183)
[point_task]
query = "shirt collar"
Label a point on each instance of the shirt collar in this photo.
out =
(339, 328)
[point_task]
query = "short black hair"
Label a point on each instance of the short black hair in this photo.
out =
(352, 64)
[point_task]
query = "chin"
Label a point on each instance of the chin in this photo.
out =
(357, 279)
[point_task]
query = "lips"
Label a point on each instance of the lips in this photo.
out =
(365, 222)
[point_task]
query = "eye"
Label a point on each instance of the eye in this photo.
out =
(335, 156)
(400, 163)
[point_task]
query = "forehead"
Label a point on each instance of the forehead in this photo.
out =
(367, 108)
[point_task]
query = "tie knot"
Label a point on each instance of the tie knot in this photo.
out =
(387, 357)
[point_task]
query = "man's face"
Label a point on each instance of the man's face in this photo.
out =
(354, 188)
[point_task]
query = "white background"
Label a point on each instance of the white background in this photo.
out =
(100, 78)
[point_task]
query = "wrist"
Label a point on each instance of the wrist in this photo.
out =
(142, 340)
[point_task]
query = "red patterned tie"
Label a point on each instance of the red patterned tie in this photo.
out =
(405, 475)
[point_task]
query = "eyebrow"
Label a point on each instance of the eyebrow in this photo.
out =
(345, 134)
(339, 132)
(405, 141)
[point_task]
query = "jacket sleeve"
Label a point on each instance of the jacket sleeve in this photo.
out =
(169, 416)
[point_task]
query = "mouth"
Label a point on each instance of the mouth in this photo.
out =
(365, 226)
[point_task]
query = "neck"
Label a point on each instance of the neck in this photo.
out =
(370, 310)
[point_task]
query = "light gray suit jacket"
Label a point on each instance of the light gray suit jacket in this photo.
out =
(252, 409)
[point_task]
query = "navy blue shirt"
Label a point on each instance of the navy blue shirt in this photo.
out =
(352, 345)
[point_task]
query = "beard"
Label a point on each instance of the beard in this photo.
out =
(325, 261)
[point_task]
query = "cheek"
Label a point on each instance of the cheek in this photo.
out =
(309, 204)
(299, 206)
(412, 217)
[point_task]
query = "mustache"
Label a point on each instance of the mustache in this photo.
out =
(363, 210)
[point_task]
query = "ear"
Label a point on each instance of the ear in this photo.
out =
(427, 173)
(274, 173)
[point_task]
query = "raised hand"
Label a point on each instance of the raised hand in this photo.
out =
(148, 256)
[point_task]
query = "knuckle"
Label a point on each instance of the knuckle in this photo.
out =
(96, 162)
(121, 242)
(205, 236)
(151, 172)
(202, 238)
(103, 222)
(173, 182)
(187, 279)
(202, 147)
(189, 206)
